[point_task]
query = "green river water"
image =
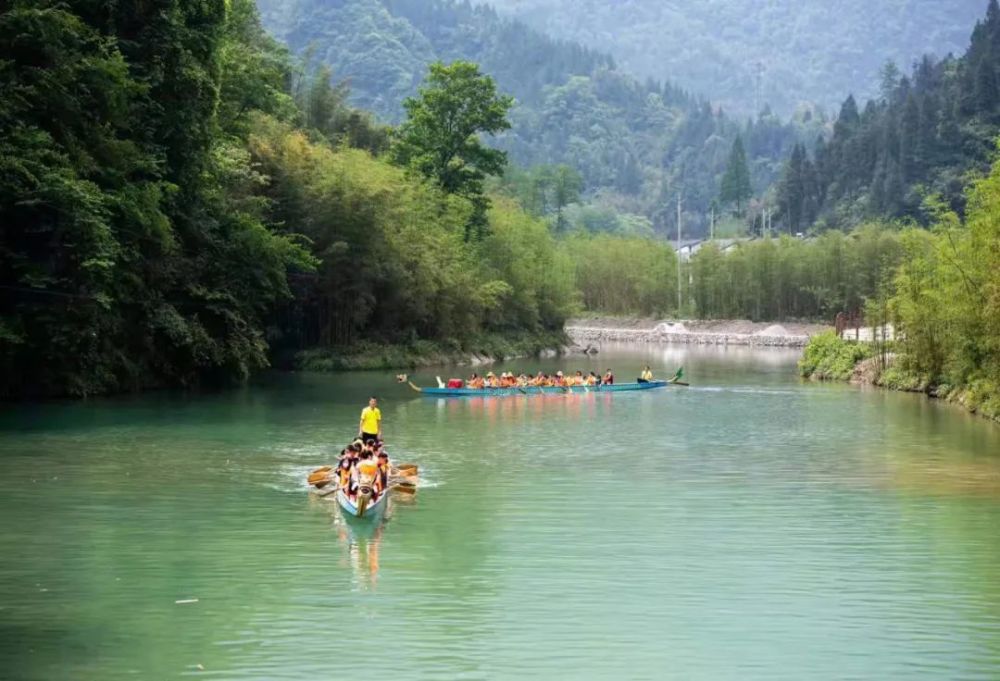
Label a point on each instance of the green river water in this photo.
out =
(749, 527)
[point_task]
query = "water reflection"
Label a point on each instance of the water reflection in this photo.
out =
(359, 540)
(517, 408)
(361, 543)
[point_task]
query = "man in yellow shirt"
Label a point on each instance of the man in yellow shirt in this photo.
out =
(370, 428)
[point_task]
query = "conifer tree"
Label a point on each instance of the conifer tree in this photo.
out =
(736, 188)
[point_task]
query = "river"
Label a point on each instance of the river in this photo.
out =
(751, 526)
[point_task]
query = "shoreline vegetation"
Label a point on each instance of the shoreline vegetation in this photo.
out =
(260, 220)
(828, 357)
(482, 349)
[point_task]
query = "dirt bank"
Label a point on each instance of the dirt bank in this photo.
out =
(698, 332)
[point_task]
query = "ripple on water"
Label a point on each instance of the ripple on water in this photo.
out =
(752, 527)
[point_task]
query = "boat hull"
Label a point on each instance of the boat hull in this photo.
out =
(350, 509)
(539, 390)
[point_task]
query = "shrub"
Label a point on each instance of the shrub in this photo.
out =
(829, 357)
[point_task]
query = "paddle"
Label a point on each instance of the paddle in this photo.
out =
(404, 487)
(321, 477)
(676, 380)
(409, 479)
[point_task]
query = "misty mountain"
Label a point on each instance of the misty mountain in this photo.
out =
(806, 50)
(924, 136)
(635, 143)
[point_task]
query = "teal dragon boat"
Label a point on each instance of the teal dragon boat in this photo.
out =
(540, 390)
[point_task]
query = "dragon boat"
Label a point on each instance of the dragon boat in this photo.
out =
(539, 390)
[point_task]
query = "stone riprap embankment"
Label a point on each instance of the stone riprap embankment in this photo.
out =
(595, 331)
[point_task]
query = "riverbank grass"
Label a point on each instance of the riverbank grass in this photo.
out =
(422, 353)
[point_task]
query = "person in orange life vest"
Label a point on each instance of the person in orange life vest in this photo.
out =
(383, 471)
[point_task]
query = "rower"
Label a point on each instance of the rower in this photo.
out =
(609, 378)
(344, 474)
(646, 376)
(383, 471)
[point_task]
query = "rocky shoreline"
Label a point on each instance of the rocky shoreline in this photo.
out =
(742, 333)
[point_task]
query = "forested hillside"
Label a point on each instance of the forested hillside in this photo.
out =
(635, 144)
(807, 50)
(923, 136)
(177, 202)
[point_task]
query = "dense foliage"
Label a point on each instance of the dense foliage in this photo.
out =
(770, 279)
(946, 298)
(922, 136)
(619, 274)
(807, 50)
(636, 145)
(134, 249)
(177, 198)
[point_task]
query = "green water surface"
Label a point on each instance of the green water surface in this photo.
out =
(748, 527)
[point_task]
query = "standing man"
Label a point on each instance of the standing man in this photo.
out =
(370, 428)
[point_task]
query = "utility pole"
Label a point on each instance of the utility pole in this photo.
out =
(678, 254)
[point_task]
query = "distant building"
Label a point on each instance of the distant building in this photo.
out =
(687, 248)
(691, 246)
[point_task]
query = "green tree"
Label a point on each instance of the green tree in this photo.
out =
(441, 135)
(736, 188)
(566, 185)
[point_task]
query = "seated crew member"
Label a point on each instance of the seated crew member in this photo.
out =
(344, 474)
(609, 378)
(593, 379)
(383, 471)
(646, 376)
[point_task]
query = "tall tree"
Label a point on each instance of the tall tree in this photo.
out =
(566, 186)
(441, 135)
(736, 188)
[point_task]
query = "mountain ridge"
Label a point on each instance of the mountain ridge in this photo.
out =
(809, 51)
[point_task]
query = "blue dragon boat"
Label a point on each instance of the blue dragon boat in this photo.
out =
(539, 390)
(363, 506)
